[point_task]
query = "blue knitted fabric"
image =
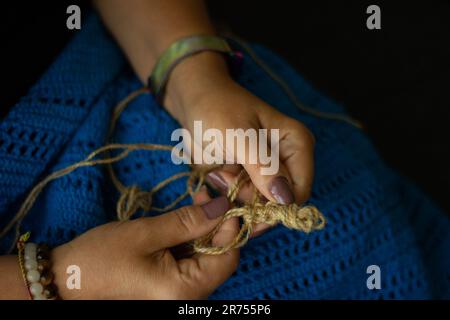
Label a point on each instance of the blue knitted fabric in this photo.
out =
(374, 216)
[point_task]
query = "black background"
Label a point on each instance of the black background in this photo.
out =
(395, 80)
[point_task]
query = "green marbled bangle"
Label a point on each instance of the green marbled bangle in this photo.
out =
(179, 50)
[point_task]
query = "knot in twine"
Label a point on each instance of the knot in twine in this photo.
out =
(306, 219)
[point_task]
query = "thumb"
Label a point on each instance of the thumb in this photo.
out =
(186, 223)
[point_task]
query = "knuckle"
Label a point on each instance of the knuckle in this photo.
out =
(186, 219)
(196, 274)
(306, 137)
(193, 284)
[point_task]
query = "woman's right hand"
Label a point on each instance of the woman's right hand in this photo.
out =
(132, 260)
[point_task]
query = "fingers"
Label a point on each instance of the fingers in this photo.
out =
(201, 274)
(262, 163)
(296, 151)
(206, 272)
(297, 154)
(181, 225)
(274, 186)
(293, 146)
(222, 179)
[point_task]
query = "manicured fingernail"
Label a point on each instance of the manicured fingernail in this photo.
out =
(216, 207)
(217, 181)
(279, 188)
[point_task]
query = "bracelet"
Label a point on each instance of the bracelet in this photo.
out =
(180, 50)
(35, 268)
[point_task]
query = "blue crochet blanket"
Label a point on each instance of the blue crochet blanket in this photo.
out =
(375, 217)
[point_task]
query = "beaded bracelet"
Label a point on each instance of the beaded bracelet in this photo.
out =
(182, 49)
(35, 268)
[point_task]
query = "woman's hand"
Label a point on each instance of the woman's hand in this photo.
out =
(133, 260)
(200, 89)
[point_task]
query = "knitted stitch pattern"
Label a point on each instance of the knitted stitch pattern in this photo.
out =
(374, 216)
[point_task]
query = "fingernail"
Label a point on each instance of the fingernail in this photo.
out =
(217, 181)
(216, 207)
(279, 188)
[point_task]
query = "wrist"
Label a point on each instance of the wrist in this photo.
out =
(192, 79)
(11, 280)
(59, 256)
